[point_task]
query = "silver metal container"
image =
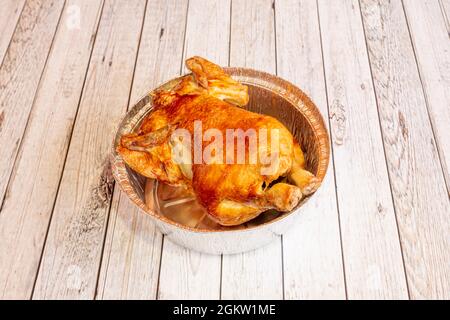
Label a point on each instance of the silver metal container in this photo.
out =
(178, 215)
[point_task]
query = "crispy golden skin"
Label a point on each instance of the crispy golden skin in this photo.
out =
(231, 193)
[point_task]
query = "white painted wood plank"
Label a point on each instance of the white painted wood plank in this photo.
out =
(431, 42)
(196, 275)
(311, 249)
(186, 274)
(445, 7)
(253, 35)
(208, 31)
(371, 247)
(418, 186)
(71, 258)
(130, 264)
(9, 16)
(31, 194)
(131, 258)
(256, 274)
(20, 74)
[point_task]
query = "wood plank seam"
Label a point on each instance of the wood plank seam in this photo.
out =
(444, 14)
(114, 184)
(384, 150)
(159, 268)
(420, 201)
(104, 175)
(131, 233)
(67, 151)
(331, 148)
(12, 35)
(343, 48)
(229, 61)
(96, 297)
(312, 255)
(253, 47)
(181, 71)
(427, 102)
(283, 291)
(29, 204)
(13, 167)
(221, 270)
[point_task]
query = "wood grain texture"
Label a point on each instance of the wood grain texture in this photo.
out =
(431, 42)
(9, 16)
(199, 278)
(186, 274)
(411, 153)
(132, 253)
(312, 248)
(20, 74)
(382, 68)
(71, 257)
(256, 274)
(131, 263)
(27, 209)
(445, 7)
(208, 35)
(371, 247)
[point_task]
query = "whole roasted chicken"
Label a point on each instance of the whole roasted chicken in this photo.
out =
(231, 186)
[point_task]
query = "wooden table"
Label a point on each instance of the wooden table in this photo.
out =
(379, 71)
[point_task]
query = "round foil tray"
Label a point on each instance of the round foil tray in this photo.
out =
(178, 215)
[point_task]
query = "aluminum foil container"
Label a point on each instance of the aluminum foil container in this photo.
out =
(178, 215)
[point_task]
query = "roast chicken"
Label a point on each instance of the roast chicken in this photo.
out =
(232, 192)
